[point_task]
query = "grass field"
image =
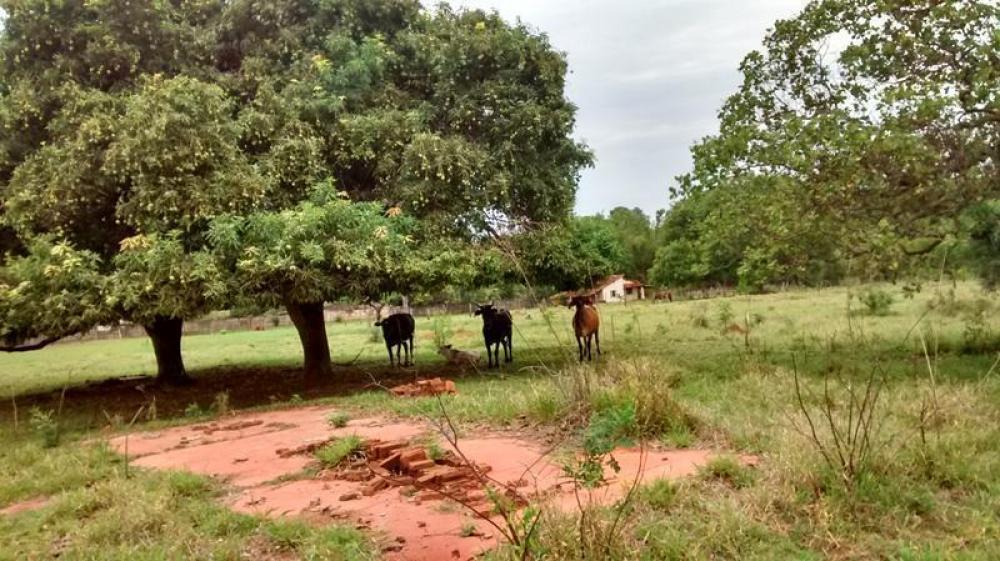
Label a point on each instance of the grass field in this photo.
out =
(931, 489)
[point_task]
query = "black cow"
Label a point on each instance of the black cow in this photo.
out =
(397, 331)
(497, 329)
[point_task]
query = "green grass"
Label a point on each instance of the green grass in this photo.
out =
(932, 492)
(338, 420)
(339, 450)
(790, 320)
(99, 509)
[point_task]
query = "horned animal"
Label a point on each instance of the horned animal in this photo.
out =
(397, 331)
(497, 329)
(586, 324)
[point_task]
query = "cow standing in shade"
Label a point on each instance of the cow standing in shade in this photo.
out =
(497, 330)
(397, 331)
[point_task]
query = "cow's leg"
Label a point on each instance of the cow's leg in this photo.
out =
(388, 347)
(409, 352)
(579, 344)
(510, 348)
(589, 356)
(489, 355)
(597, 339)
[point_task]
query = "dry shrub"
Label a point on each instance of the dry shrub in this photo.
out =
(640, 383)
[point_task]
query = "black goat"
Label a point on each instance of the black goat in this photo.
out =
(397, 331)
(497, 329)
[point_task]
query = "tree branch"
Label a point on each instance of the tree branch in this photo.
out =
(31, 347)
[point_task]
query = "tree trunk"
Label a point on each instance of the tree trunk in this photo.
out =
(166, 336)
(308, 320)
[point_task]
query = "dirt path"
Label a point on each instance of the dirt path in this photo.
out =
(263, 456)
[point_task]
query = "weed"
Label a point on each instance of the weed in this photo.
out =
(977, 333)
(607, 430)
(728, 469)
(911, 289)
(186, 484)
(724, 313)
(661, 494)
(45, 427)
(335, 452)
(434, 451)
(468, 530)
(641, 384)
(946, 302)
(877, 302)
(338, 419)
(287, 534)
(193, 410)
(648, 387)
(220, 405)
(844, 425)
(699, 316)
(442, 331)
(151, 412)
(296, 399)
(678, 436)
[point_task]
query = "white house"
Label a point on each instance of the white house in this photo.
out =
(616, 288)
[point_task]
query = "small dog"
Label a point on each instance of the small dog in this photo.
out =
(455, 356)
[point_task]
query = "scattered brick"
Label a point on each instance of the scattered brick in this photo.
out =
(415, 467)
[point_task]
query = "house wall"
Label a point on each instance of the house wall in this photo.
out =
(638, 293)
(614, 292)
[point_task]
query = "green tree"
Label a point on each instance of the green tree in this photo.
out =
(154, 119)
(328, 248)
(636, 233)
(753, 235)
(157, 283)
(571, 256)
(879, 118)
(51, 292)
(161, 158)
(982, 250)
(112, 132)
(452, 118)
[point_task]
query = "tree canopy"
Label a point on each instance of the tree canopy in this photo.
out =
(139, 133)
(877, 121)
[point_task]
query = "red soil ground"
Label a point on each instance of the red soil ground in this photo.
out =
(23, 506)
(263, 456)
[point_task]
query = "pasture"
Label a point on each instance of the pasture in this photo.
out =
(717, 374)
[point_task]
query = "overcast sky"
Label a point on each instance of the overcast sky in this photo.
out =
(648, 77)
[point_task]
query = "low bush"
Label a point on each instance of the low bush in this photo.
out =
(877, 302)
(334, 453)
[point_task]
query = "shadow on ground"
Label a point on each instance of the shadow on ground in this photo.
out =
(93, 404)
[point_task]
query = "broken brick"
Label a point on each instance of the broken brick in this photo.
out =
(420, 466)
(391, 463)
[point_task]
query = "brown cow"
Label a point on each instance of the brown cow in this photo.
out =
(586, 324)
